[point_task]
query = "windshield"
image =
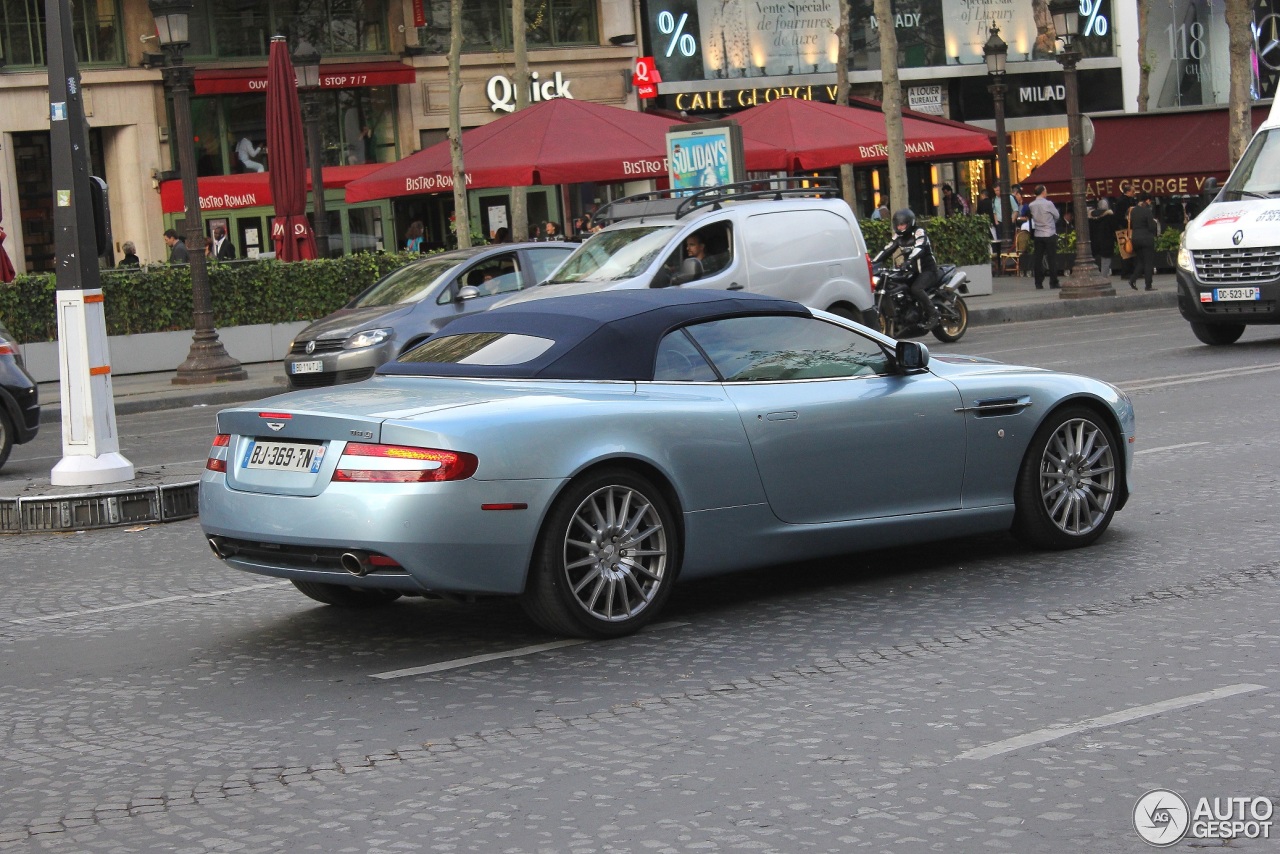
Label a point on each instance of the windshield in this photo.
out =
(407, 285)
(1258, 173)
(614, 255)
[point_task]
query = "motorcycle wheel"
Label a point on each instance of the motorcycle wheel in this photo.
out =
(887, 326)
(955, 320)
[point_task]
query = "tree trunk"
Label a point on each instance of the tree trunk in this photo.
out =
(891, 104)
(1239, 14)
(461, 214)
(519, 195)
(1144, 61)
(842, 96)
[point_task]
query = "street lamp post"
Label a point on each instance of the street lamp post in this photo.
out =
(307, 62)
(207, 361)
(1085, 280)
(995, 51)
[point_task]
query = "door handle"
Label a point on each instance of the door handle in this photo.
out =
(789, 415)
(734, 286)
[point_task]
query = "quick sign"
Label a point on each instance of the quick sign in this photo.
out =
(502, 92)
(646, 78)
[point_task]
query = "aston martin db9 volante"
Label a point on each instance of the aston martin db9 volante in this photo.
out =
(585, 452)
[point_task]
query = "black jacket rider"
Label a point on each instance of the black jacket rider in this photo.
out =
(917, 257)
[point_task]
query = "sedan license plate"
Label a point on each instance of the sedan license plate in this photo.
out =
(282, 456)
(307, 367)
(1236, 294)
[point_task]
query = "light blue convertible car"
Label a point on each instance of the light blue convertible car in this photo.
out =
(584, 452)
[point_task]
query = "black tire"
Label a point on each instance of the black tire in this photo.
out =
(6, 437)
(1217, 334)
(846, 313)
(952, 329)
(342, 596)
(1068, 485)
(888, 327)
(592, 587)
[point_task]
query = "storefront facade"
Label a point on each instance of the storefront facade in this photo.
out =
(384, 94)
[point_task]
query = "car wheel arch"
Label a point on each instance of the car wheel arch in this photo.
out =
(633, 465)
(1104, 413)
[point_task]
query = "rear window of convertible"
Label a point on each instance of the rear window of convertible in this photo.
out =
(480, 348)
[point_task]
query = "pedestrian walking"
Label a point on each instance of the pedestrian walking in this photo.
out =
(178, 253)
(1044, 231)
(1142, 223)
(1102, 235)
(223, 248)
(130, 258)
(984, 207)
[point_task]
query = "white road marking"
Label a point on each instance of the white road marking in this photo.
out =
(1168, 448)
(458, 663)
(1204, 376)
(1044, 736)
(1073, 342)
(147, 603)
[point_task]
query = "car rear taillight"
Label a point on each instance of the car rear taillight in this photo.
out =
(362, 463)
(871, 274)
(222, 440)
(7, 349)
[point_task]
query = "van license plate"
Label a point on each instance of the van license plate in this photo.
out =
(1236, 294)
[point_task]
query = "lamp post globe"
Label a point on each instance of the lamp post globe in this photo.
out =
(207, 361)
(1085, 280)
(995, 52)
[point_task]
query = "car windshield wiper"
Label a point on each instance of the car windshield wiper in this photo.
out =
(1255, 195)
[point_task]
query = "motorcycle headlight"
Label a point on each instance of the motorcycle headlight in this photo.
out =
(367, 338)
(1185, 261)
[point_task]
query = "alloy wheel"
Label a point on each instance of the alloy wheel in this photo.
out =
(615, 553)
(1078, 476)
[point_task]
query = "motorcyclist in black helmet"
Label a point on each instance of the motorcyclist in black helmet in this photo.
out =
(916, 250)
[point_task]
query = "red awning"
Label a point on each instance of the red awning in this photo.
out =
(251, 189)
(225, 81)
(560, 141)
(821, 136)
(1164, 153)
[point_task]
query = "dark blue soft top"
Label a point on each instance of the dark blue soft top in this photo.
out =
(612, 335)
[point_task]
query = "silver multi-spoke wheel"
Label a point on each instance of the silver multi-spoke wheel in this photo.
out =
(606, 557)
(1077, 477)
(615, 553)
(1071, 482)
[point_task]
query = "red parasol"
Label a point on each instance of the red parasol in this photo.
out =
(6, 266)
(290, 231)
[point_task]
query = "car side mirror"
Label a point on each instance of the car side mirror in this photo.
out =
(1209, 192)
(911, 355)
(467, 292)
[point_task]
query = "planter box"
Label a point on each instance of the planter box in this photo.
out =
(979, 279)
(150, 352)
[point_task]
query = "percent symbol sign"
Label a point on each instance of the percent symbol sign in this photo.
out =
(1094, 24)
(668, 26)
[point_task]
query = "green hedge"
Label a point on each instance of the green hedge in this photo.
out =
(158, 298)
(962, 240)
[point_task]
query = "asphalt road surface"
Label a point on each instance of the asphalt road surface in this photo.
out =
(966, 696)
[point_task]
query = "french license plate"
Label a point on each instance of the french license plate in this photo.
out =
(1236, 294)
(282, 456)
(307, 367)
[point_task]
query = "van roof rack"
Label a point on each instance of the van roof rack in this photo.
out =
(683, 202)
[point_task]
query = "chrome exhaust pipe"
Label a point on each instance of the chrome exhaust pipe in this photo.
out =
(219, 548)
(356, 563)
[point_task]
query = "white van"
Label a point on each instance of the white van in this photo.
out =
(1229, 258)
(778, 238)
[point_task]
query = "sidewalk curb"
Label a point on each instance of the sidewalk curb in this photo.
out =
(51, 412)
(1063, 308)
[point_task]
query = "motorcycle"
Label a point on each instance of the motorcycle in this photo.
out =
(900, 315)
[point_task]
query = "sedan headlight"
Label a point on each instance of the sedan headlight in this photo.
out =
(366, 338)
(1185, 261)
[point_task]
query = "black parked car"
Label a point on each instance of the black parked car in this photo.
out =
(19, 398)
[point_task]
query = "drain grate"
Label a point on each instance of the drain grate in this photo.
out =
(99, 510)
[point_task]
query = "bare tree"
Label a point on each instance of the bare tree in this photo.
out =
(1239, 14)
(842, 95)
(1144, 61)
(461, 214)
(519, 43)
(891, 104)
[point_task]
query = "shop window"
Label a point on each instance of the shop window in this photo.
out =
(356, 126)
(243, 28)
(486, 25)
(95, 27)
